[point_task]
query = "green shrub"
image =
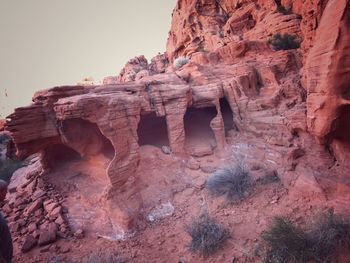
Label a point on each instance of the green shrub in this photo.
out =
(287, 243)
(284, 42)
(207, 235)
(180, 62)
(233, 182)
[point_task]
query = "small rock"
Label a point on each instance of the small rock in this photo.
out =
(192, 164)
(39, 193)
(59, 220)
(7, 209)
(48, 236)
(166, 149)
(199, 183)
(32, 227)
(50, 205)
(64, 250)
(28, 244)
(45, 249)
(79, 233)
(208, 169)
(34, 206)
(55, 212)
(12, 189)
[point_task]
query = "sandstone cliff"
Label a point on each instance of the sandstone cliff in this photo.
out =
(233, 78)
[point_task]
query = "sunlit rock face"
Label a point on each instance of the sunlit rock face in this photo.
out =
(234, 84)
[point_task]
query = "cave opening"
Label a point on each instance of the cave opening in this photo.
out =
(58, 154)
(227, 115)
(152, 130)
(341, 132)
(86, 138)
(197, 126)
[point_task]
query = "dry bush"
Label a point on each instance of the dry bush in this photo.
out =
(98, 257)
(180, 62)
(207, 235)
(329, 235)
(322, 244)
(287, 243)
(284, 42)
(233, 182)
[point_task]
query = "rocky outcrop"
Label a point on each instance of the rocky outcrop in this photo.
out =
(214, 26)
(328, 78)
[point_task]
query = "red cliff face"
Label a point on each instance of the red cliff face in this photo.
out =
(211, 25)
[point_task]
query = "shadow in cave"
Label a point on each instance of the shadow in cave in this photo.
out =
(58, 154)
(86, 138)
(197, 126)
(341, 132)
(227, 115)
(152, 130)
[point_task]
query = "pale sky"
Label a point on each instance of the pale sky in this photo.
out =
(44, 43)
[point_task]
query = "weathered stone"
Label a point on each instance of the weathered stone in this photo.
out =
(79, 233)
(202, 150)
(50, 205)
(29, 243)
(208, 169)
(48, 235)
(32, 227)
(166, 150)
(192, 164)
(37, 204)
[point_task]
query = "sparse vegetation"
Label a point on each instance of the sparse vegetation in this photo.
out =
(284, 42)
(233, 182)
(207, 235)
(287, 243)
(103, 258)
(321, 244)
(329, 235)
(180, 62)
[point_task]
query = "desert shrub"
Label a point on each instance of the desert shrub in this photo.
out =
(180, 62)
(284, 42)
(287, 243)
(233, 182)
(207, 235)
(329, 235)
(321, 244)
(8, 167)
(98, 257)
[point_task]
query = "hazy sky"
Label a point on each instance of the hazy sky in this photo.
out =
(44, 43)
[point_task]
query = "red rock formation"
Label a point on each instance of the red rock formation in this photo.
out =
(328, 78)
(230, 63)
